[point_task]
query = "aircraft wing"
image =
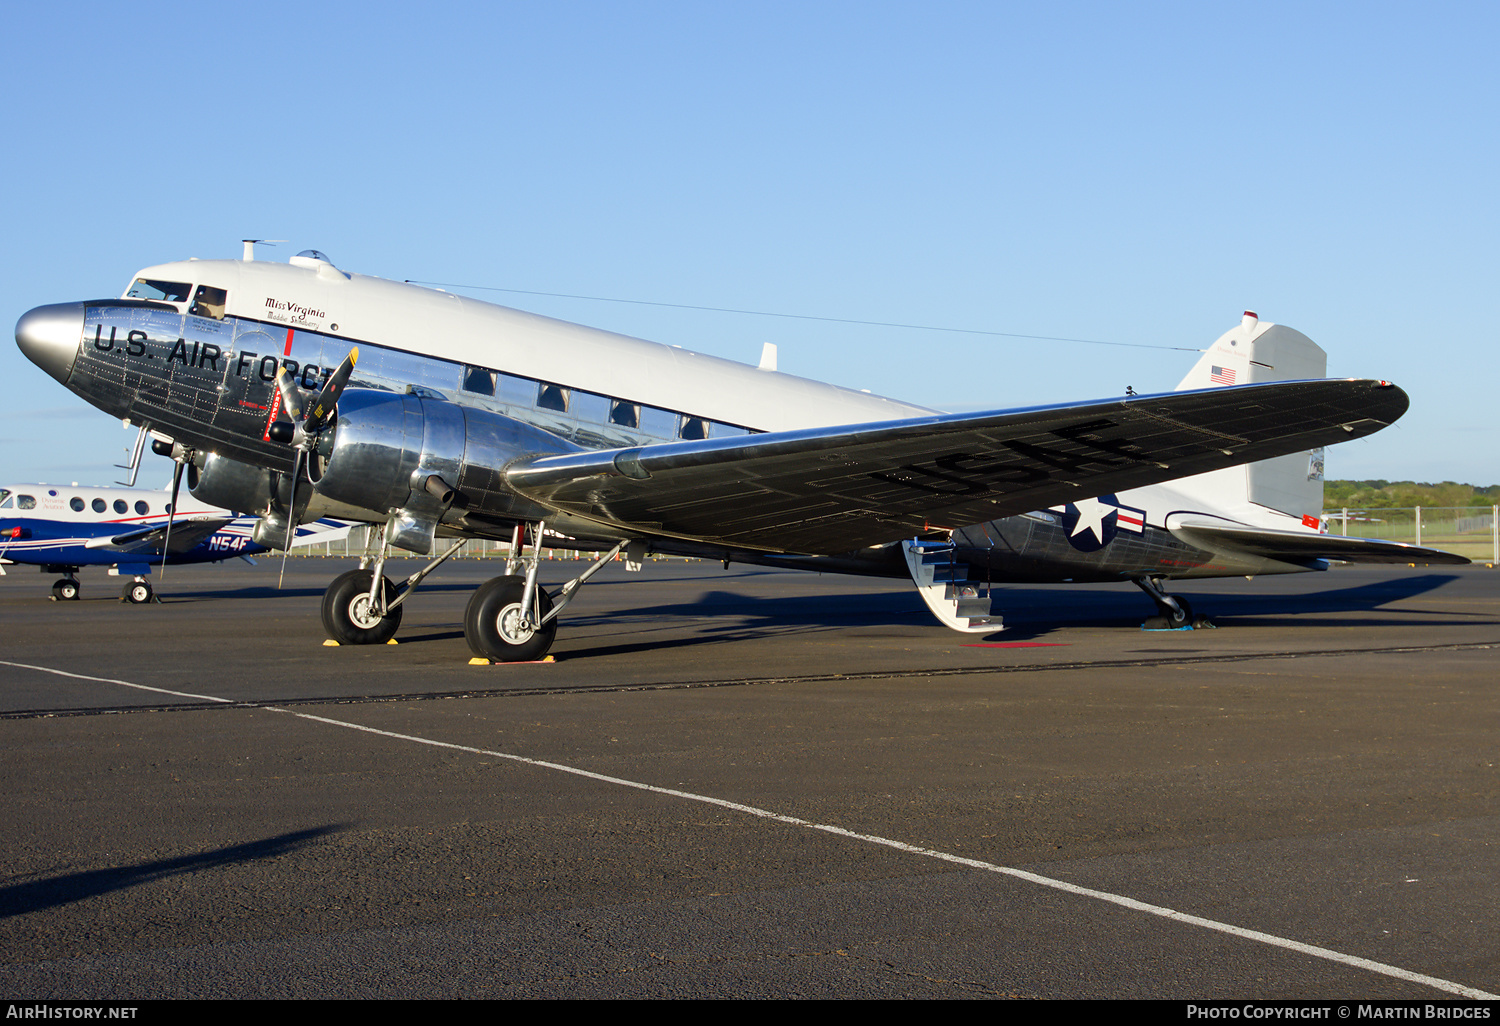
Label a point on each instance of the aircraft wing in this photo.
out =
(186, 534)
(1297, 546)
(833, 490)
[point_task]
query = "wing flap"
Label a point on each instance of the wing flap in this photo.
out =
(833, 490)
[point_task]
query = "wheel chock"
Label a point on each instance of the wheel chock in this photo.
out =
(481, 661)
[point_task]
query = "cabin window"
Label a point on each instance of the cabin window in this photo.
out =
(692, 429)
(479, 380)
(552, 397)
(625, 414)
(76, 503)
(141, 508)
(717, 430)
(25, 502)
(99, 505)
(163, 291)
(209, 302)
(120, 506)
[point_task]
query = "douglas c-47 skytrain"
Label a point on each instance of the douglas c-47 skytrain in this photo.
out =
(300, 391)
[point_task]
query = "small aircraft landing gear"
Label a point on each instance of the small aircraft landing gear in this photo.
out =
(1173, 613)
(137, 592)
(65, 589)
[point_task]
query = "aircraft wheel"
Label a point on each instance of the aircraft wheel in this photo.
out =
(137, 592)
(347, 616)
(492, 623)
(1176, 620)
(65, 590)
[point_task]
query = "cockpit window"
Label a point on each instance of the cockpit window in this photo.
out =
(209, 302)
(4, 498)
(165, 291)
(25, 502)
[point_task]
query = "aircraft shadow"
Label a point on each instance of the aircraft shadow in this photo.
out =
(36, 895)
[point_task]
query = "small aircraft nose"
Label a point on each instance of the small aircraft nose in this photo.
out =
(49, 337)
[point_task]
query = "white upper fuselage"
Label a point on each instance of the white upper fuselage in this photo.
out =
(316, 296)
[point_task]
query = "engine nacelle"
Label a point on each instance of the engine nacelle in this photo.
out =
(385, 449)
(236, 486)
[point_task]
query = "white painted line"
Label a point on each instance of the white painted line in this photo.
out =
(989, 867)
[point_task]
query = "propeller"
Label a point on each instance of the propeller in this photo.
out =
(302, 434)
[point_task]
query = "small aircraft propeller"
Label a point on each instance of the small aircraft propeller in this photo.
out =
(307, 424)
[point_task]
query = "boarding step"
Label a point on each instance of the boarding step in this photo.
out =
(948, 586)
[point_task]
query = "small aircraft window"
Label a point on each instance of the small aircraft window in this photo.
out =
(479, 380)
(99, 506)
(625, 414)
(120, 506)
(552, 397)
(167, 291)
(25, 502)
(4, 498)
(717, 430)
(209, 302)
(76, 503)
(692, 429)
(141, 508)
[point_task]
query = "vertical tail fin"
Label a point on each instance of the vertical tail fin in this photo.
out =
(1256, 351)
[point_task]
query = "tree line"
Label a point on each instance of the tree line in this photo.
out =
(1381, 494)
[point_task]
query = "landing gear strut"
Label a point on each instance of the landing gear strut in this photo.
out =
(1173, 613)
(509, 619)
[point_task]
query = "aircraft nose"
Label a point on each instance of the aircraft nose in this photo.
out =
(49, 337)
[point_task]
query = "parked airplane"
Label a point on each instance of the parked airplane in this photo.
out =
(63, 529)
(300, 390)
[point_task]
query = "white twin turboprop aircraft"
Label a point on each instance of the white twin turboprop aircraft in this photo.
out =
(299, 391)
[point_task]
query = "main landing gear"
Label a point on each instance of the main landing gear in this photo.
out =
(137, 592)
(65, 589)
(509, 618)
(1173, 613)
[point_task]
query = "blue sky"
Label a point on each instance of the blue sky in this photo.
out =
(1136, 174)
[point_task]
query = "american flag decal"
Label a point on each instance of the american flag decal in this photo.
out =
(1221, 375)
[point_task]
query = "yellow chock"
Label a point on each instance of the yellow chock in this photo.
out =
(392, 642)
(330, 643)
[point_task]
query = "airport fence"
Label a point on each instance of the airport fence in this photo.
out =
(1466, 530)
(1472, 531)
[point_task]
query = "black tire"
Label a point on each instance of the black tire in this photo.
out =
(488, 622)
(137, 592)
(345, 606)
(65, 590)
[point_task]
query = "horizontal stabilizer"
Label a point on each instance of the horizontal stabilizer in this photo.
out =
(832, 490)
(1299, 546)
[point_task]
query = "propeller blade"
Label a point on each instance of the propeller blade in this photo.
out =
(291, 398)
(328, 397)
(166, 543)
(291, 516)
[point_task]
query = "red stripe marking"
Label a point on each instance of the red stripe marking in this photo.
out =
(289, 332)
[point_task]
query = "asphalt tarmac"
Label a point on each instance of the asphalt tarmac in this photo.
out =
(754, 784)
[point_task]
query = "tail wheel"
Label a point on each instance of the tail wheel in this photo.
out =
(348, 615)
(137, 592)
(65, 590)
(496, 629)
